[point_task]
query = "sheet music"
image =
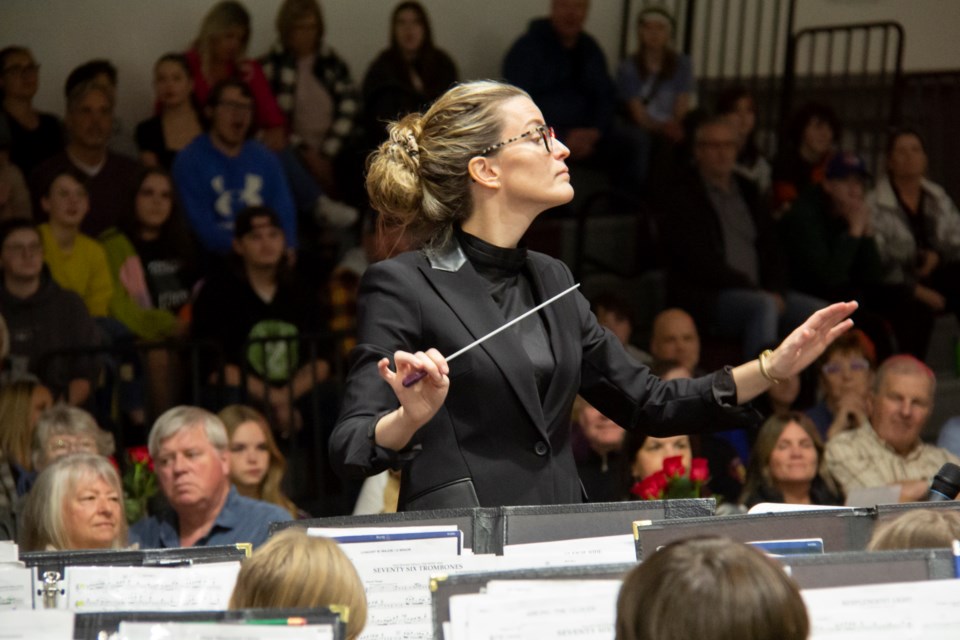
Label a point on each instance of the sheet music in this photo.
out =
(16, 589)
(442, 541)
(195, 588)
(600, 550)
(9, 551)
(520, 609)
(41, 624)
(221, 631)
(900, 611)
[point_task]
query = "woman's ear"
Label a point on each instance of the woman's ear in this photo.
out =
(484, 172)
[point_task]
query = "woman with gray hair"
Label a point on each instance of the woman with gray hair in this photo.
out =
(63, 429)
(76, 503)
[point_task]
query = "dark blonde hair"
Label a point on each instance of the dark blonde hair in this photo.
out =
(43, 524)
(235, 415)
(917, 529)
(291, 11)
(294, 570)
(418, 178)
(758, 470)
(219, 18)
(16, 432)
(710, 588)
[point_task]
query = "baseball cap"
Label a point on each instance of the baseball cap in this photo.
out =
(844, 164)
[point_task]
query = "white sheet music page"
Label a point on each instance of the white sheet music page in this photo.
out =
(203, 587)
(600, 550)
(221, 631)
(41, 624)
(899, 611)
(16, 589)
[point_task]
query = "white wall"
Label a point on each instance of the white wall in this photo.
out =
(133, 33)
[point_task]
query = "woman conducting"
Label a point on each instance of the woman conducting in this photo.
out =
(493, 426)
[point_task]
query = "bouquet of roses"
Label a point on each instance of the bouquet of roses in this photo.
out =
(673, 481)
(139, 483)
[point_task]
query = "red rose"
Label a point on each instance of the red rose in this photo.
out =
(659, 480)
(673, 467)
(140, 455)
(699, 472)
(647, 489)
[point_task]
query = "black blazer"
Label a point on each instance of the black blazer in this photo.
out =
(493, 442)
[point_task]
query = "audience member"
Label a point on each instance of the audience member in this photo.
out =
(316, 93)
(780, 399)
(62, 430)
(599, 464)
(614, 313)
(888, 450)
(407, 76)
(76, 261)
(43, 318)
(221, 172)
(189, 449)
(257, 301)
(710, 589)
(740, 104)
(785, 464)
(257, 467)
(644, 455)
(725, 264)
(217, 55)
(565, 72)
(655, 85)
(14, 195)
(813, 132)
(675, 338)
(99, 71)
(177, 121)
(21, 403)
(111, 178)
(846, 373)
(76, 503)
(916, 226)
(296, 570)
(917, 529)
(34, 135)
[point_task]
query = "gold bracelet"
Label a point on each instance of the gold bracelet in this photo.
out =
(763, 367)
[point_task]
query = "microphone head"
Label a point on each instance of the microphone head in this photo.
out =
(946, 484)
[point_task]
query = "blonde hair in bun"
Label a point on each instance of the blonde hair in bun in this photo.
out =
(418, 177)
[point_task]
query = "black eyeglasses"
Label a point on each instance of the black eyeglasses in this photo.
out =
(545, 132)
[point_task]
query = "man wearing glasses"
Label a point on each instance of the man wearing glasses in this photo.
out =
(222, 172)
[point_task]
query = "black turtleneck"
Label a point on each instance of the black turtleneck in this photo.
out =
(508, 283)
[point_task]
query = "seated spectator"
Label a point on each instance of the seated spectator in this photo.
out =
(34, 135)
(888, 450)
(741, 105)
(644, 455)
(256, 465)
(295, 570)
(102, 73)
(599, 463)
(917, 529)
(221, 172)
(62, 430)
(710, 588)
(14, 195)
(177, 121)
(725, 264)
(846, 374)
(110, 178)
(780, 399)
(316, 94)
(813, 132)
(76, 261)
(785, 464)
(655, 85)
(189, 448)
(76, 503)
(916, 226)
(675, 338)
(565, 72)
(217, 55)
(407, 76)
(44, 319)
(260, 299)
(21, 404)
(832, 252)
(615, 314)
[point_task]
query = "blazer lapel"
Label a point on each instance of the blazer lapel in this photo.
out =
(478, 313)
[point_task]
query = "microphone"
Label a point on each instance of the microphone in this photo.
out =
(946, 484)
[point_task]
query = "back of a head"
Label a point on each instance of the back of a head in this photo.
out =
(710, 589)
(917, 529)
(418, 178)
(294, 570)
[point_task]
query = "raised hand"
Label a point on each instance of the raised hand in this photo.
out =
(808, 341)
